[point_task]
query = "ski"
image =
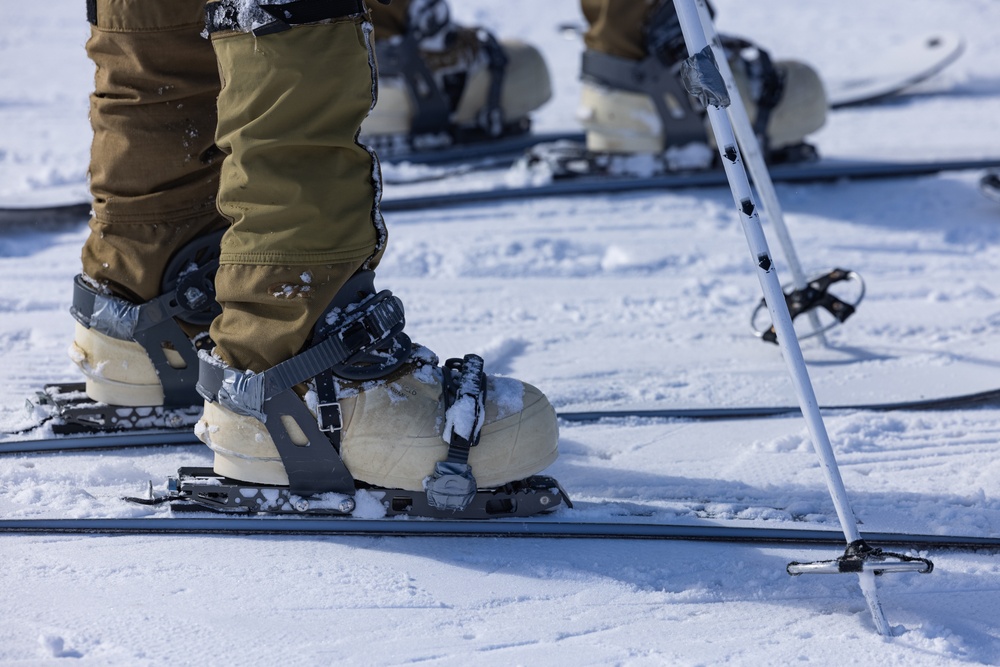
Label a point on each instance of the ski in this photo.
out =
(719, 414)
(91, 441)
(183, 436)
(496, 152)
(900, 68)
(493, 528)
(41, 216)
(804, 172)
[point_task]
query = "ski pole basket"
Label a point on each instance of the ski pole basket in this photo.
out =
(815, 296)
(860, 557)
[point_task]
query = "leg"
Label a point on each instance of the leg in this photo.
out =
(301, 317)
(153, 176)
(631, 99)
(449, 82)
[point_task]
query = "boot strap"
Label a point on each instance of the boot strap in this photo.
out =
(246, 393)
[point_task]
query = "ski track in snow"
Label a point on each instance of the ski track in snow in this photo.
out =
(634, 300)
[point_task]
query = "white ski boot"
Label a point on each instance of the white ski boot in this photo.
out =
(635, 107)
(440, 83)
(141, 368)
(378, 410)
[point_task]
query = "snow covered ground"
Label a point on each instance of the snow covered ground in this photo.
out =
(636, 300)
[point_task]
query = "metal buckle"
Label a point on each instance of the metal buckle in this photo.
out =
(358, 334)
(330, 418)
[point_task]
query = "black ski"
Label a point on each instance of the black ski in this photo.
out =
(497, 152)
(810, 172)
(531, 528)
(718, 414)
(184, 436)
(42, 216)
(112, 440)
(803, 172)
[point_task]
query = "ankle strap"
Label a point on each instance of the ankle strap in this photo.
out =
(245, 392)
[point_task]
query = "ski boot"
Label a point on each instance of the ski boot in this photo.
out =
(141, 368)
(442, 84)
(363, 408)
(640, 107)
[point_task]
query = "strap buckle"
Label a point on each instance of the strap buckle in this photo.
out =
(330, 417)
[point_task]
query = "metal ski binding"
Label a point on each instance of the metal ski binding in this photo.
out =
(859, 557)
(201, 489)
(815, 296)
(70, 411)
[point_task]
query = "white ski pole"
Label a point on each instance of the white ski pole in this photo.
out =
(754, 160)
(698, 48)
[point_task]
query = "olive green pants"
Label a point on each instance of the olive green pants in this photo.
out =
(616, 26)
(299, 193)
(389, 20)
(154, 166)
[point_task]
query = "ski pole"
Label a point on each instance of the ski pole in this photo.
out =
(712, 90)
(754, 160)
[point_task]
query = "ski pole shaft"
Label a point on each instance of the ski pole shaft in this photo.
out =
(754, 160)
(697, 42)
(739, 184)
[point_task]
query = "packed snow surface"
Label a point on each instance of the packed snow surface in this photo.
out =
(636, 300)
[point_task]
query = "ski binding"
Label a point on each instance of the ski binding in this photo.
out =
(201, 489)
(70, 411)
